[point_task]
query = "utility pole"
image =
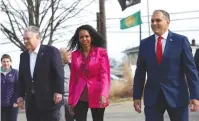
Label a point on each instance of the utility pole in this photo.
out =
(148, 18)
(101, 20)
(140, 32)
(98, 22)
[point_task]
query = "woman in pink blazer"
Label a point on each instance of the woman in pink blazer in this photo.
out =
(90, 74)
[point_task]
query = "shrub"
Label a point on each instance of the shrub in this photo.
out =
(123, 89)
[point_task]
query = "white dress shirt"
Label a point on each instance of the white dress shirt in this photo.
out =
(33, 58)
(163, 41)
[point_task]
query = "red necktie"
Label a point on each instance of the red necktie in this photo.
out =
(159, 50)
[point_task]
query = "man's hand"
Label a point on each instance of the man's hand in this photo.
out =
(137, 105)
(103, 101)
(70, 110)
(57, 97)
(15, 105)
(194, 105)
(20, 102)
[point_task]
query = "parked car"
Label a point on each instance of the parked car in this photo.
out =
(116, 78)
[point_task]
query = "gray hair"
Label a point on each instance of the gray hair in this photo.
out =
(33, 29)
(165, 13)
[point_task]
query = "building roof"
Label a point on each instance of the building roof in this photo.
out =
(136, 49)
(131, 50)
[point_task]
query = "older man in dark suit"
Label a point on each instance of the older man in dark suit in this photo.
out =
(41, 78)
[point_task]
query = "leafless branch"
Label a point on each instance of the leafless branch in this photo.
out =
(45, 11)
(24, 2)
(79, 10)
(37, 6)
(12, 37)
(49, 15)
(53, 10)
(30, 8)
(19, 13)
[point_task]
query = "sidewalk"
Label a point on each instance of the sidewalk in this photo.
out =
(123, 111)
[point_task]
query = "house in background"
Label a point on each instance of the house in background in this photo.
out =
(132, 54)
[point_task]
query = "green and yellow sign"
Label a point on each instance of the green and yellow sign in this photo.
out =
(131, 21)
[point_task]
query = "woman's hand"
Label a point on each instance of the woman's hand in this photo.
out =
(103, 102)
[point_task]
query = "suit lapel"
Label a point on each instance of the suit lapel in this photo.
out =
(169, 41)
(92, 58)
(153, 48)
(39, 56)
(79, 58)
(28, 63)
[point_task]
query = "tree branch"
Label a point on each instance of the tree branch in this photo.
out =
(30, 8)
(45, 11)
(19, 13)
(12, 37)
(80, 10)
(48, 15)
(37, 6)
(51, 26)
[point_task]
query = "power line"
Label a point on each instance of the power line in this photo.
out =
(20, 50)
(121, 32)
(125, 32)
(180, 19)
(120, 18)
(194, 30)
(170, 14)
(63, 27)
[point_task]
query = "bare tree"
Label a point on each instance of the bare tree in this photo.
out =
(48, 15)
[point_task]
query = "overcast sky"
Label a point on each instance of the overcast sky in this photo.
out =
(184, 20)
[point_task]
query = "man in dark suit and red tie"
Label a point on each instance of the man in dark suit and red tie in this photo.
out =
(172, 78)
(41, 78)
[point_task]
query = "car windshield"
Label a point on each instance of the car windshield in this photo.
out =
(114, 77)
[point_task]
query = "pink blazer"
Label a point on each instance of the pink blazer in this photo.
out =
(97, 79)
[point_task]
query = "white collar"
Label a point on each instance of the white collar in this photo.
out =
(37, 49)
(164, 36)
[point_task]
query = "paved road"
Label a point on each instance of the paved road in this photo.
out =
(123, 112)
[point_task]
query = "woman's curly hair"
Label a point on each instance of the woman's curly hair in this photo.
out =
(97, 39)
